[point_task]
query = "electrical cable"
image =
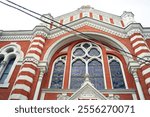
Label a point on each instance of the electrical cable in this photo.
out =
(62, 25)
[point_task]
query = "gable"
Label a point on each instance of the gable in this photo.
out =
(87, 92)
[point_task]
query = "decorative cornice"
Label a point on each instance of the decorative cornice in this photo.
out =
(131, 32)
(21, 35)
(16, 38)
(42, 30)
(88, 22)
(44, 34)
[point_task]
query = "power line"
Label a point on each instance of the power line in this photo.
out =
(85, 36)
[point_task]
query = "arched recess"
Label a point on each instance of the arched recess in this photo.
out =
(97, 36)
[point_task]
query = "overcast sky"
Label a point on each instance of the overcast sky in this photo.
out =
(11, 19)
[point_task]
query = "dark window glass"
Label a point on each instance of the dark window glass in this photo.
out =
(94, 52)
(7, 70)
(116, 75)
(77, 74)
(1, 59)
(79, 52)
(58, 74)
(86, 45)
(96, 74)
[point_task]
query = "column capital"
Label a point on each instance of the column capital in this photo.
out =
(133, 66)
(43, 65)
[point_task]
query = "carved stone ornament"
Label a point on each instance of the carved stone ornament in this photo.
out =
(62, 96)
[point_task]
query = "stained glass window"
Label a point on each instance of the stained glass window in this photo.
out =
(116, 75)
(57, 77)
(7, 70)
(79, 52)
(77, 74)
(86, 45)
(96, 74)
(94, 52)
(87, 52)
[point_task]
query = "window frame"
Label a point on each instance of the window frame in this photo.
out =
(122, 69)
(17, 53)
(86, 62)
(52, 70)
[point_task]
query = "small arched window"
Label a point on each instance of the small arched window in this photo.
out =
(7, 69)
(58, 73)
(116, 73)
(9, 55)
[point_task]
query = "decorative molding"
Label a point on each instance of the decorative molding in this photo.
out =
(146, 35)
(133, 66)
(62, 96)
(43, 33)
(114, 30)
(43, 65)
(16, 38)
(107, 29)
(115, 97)
(5, 85)
(131, 32)
(31, 59)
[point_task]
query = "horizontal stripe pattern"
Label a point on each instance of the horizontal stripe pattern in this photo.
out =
(141, 49)
(25, 79)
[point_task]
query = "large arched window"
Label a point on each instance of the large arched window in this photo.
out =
(116, 72)
(58, 73)
(86, 59)
(7, 69)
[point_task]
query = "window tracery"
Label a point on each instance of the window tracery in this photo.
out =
(88, 60)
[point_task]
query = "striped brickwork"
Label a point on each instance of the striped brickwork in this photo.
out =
(141, 49)
(27, 73)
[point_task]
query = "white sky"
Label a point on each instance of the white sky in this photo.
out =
(11, 19)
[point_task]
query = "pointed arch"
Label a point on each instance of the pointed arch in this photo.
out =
(7, 69)
(116, 72)
(58, 73)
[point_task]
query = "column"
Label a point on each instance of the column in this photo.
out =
(138, 85)
(133, 66)
(141, 50)
(42, 71)
(24, 81)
